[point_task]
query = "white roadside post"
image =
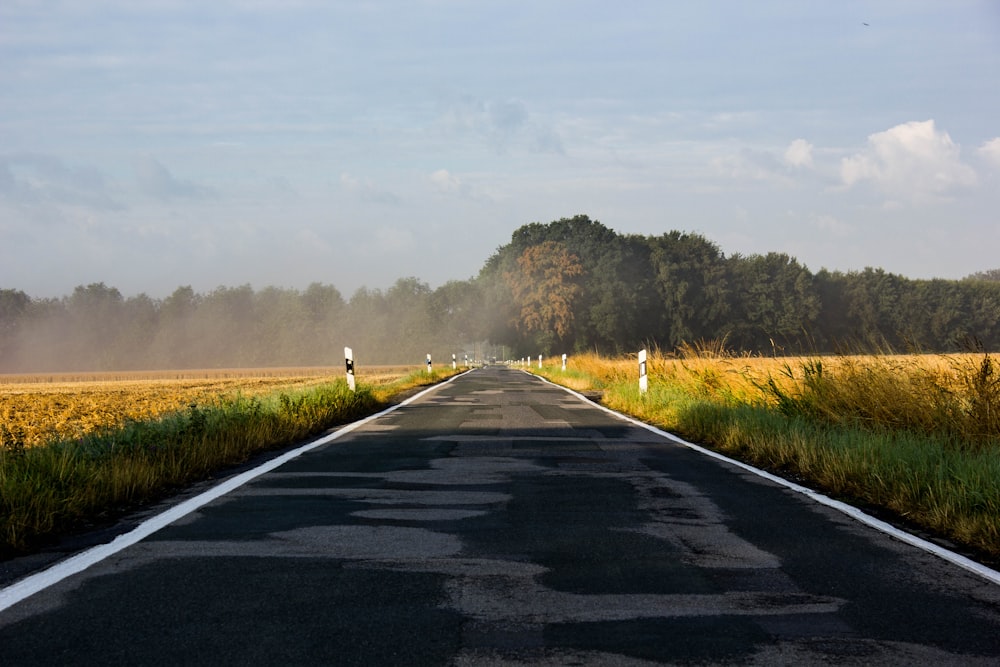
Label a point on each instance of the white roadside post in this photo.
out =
(564, 362)
(539, 361)
(349, 360)
(428, 362)
(454, 362)
(643, 381)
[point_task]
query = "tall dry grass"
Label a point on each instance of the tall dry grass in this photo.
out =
(915, 435)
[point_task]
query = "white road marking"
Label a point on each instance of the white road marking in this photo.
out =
(39, 581)
(956, 559)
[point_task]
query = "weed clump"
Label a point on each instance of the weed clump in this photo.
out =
(955, 400)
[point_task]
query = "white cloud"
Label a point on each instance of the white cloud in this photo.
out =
(504, 124)
(912, 161)
(752, 166)
(350, 182)
(155, 180)
(393, 239)
(313, 243)
(367, 190)
(991, 150)
(446, 182)
(799, 153)
(831, 225)
(37, 179)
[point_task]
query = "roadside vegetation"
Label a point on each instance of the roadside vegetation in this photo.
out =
(115, 462)
(914, 438)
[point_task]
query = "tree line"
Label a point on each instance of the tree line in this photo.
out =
(569, 285)
(625, 291)
(96, 328)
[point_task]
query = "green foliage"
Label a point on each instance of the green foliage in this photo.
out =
(631, 291)
(545, 287)
(693, 285)
(990, 275)
(774, 300)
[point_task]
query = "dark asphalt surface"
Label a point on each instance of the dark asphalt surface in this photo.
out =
(500, 520)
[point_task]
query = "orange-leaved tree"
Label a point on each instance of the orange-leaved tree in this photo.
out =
(545, 287)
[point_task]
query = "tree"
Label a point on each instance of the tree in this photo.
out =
(693, 285)
(992, 275)
(545, 287)
(175, 344)
(456, 309)
(615, 302)
(140, 323)
(365, 326)
(280, 329)
(873, 300)
(409, 325)
(326, 308)
(13, 305)
(776, 303)
(323, 302)
(623, 308)
(96, 317)
(222, 325)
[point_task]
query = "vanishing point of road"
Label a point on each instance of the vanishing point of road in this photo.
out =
(500, 520)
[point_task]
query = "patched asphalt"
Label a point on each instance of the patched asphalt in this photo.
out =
(500, 520)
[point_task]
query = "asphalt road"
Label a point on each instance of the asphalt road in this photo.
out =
(499, 520)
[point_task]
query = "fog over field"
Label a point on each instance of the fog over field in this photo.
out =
(567, 286)
(148, 146)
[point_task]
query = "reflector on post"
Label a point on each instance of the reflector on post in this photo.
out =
(349, 360)
(643, 382)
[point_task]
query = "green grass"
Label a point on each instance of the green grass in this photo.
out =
(900, 438)
(67, 485)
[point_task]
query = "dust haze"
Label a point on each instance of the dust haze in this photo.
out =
(96, 328)
(568, 286)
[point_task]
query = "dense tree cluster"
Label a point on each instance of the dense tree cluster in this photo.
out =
(570, 285)
(680, 288)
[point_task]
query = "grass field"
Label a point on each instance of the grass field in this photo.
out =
(79, 451)
(915, 437)
(35, 409)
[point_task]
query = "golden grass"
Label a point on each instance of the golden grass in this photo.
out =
(35, 409)
(916, 435)
(75, 481)
(942, 393)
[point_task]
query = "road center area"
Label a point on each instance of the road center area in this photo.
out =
(501, 520)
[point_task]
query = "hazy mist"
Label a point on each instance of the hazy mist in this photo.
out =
(562, 287)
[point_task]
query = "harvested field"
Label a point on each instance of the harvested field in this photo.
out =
(35, 409)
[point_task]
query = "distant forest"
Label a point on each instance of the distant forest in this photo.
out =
(566, 286)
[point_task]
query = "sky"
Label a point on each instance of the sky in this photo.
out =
(150, 145)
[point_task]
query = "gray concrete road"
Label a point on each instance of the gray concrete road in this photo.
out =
(500, 520)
